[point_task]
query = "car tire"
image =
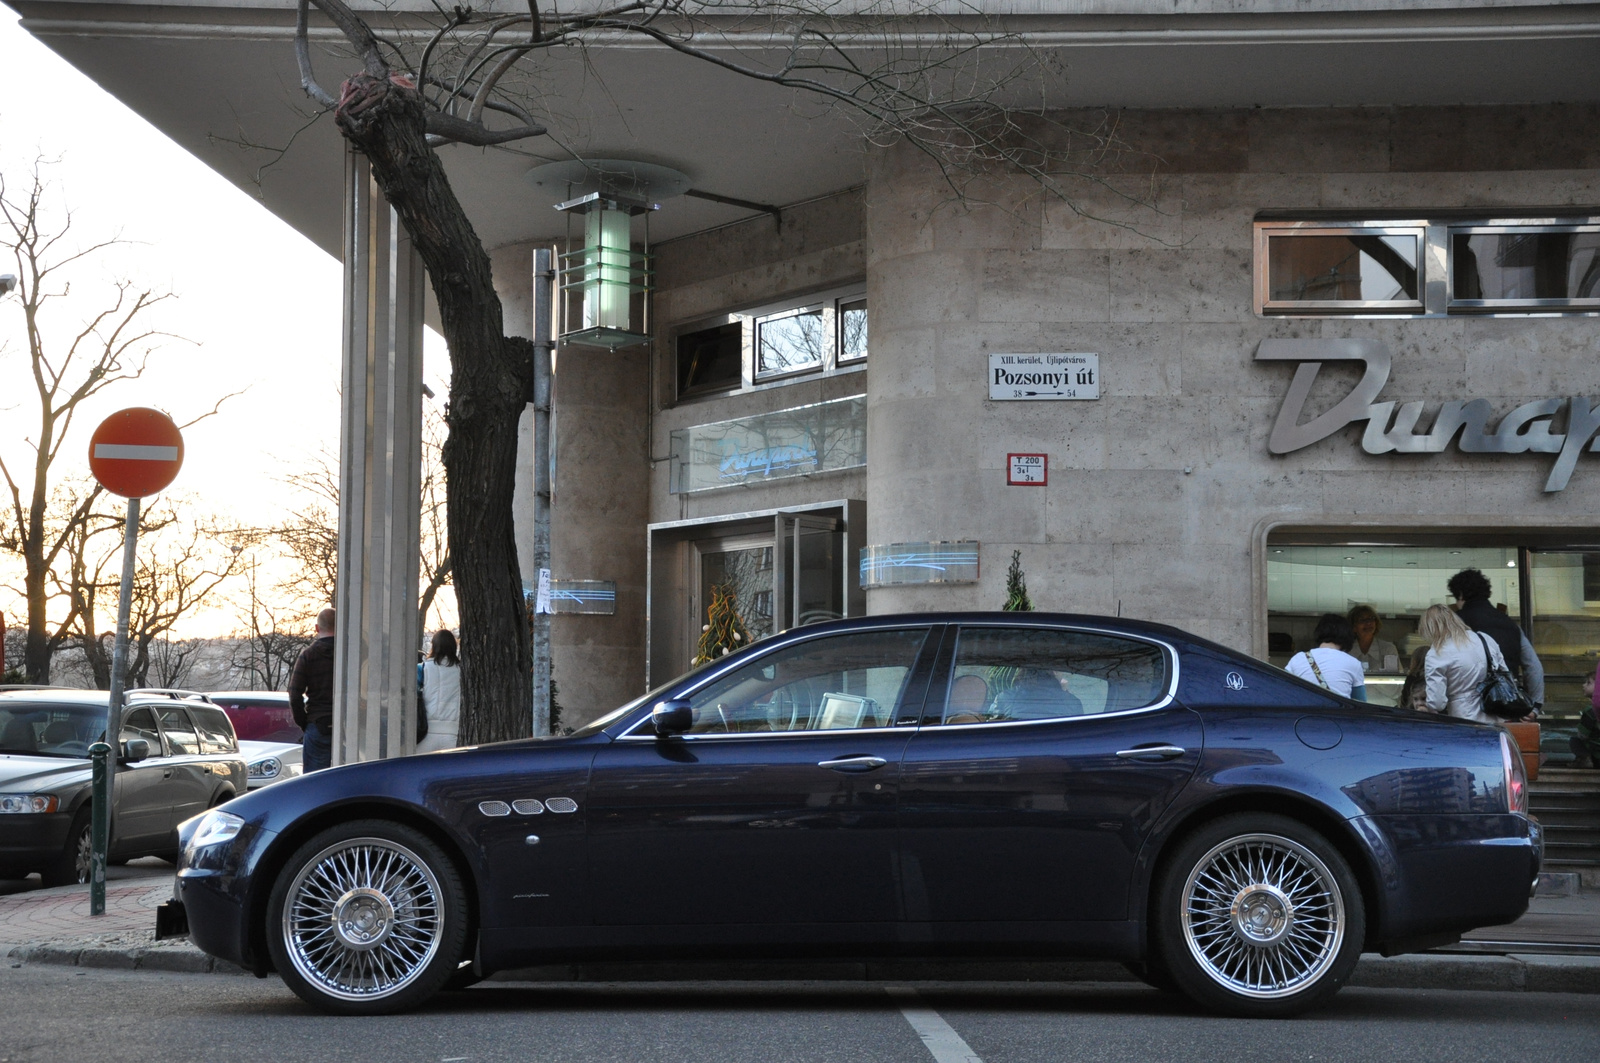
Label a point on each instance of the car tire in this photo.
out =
(1153, 974)
(72, 867)
(1259, 916)
(367, 918)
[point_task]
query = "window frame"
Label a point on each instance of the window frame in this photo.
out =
(935, 719)
(1436, 269)
(1268, 307)
(751, 320)
(1479, 306)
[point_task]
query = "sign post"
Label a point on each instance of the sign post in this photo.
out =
(134, 453)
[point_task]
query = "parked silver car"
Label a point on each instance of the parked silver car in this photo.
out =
(269, 762)
(177, 757)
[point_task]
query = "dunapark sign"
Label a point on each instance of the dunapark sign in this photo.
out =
(1531, 428)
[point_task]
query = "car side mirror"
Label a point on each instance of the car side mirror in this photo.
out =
(671, 717)
(134, 750)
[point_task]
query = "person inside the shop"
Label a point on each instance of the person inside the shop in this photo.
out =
(1329, 663)
(1414, 691)
(1375, 654)
(1585, 745)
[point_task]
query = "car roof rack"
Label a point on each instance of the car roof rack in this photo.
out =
(169, 692)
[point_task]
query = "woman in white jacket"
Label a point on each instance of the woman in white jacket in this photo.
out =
(1457, 665)
(441, 694)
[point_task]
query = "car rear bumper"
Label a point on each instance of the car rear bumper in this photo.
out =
(1447, 874)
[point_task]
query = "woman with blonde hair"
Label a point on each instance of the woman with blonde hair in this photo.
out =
(1457, 665)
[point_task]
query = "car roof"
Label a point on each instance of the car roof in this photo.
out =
(244, 695)
(77, 696)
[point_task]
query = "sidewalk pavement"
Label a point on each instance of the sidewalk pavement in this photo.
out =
(1555, 948)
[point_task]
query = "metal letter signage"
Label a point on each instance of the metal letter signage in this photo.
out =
(1044, 376)
(1525, 429)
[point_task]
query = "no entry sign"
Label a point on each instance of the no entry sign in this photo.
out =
(136, 452)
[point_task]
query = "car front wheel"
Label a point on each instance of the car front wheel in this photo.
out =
(76, 860)
(367, 918)
(1260, 916)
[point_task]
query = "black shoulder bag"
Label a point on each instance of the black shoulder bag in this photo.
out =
(1502, 698)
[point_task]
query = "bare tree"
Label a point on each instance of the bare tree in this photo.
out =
(434, 571)
(98, 350)
(905, 70)
(172, 661)
(270, 638)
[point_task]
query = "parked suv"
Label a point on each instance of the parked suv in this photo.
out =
(177, 757)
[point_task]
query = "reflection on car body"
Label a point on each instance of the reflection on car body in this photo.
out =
(935, 785)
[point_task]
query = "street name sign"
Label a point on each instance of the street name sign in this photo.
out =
(1044, 377)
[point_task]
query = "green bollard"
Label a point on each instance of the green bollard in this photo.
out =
(100, 836)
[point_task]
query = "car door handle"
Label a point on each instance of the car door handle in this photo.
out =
(853, 763)
(1155, 752)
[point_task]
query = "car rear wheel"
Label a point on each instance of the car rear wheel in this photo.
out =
(1258, 915)
(367, 918)
(76, 861)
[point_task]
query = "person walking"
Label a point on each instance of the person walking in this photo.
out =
(1457, 665)
(1329, 663)
(441, 694)
(311, 695)
(1375, 654)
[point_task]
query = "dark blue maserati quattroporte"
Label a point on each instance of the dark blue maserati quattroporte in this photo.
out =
(993, 784)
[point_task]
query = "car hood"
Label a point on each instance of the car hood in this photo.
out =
(19, 774)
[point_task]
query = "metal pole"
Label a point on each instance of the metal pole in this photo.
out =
(105, 783)
(543, 276)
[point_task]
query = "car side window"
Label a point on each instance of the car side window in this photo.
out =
(828, 684)
(140, 723)
(216, 733)
(179, 731)
(1006, 674)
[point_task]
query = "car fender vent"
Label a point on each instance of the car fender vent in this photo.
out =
(494, 808)
(561, 804)
(528, 806)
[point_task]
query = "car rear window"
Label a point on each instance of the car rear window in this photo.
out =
(216, 732)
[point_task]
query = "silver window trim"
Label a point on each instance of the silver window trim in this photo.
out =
(1532, 228)
(1171, 654)
(1265, 305)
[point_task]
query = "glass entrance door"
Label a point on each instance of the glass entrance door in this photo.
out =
(1566, 629)
(734, 574)
(809, 579)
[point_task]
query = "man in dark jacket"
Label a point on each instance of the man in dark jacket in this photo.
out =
(311, 695)
(1471, 590)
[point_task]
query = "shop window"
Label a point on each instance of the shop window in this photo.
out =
(1340, 269)
(772, 344)
(710, 359)
(1524, 267)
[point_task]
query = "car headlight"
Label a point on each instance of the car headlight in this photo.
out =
(15, 803)
(215, 828)
(265, 768)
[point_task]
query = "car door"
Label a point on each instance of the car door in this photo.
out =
(189, 787)
(142, 810)
(778, 806)
(1025, 796)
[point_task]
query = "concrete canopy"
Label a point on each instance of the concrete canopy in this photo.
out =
(221, 80)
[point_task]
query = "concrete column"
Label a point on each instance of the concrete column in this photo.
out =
(380, 468)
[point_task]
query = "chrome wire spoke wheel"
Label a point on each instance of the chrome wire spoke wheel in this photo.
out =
(363, 919)
(1263, 916)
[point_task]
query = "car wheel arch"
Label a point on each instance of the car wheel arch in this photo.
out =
(285, 844)
(1318, 817)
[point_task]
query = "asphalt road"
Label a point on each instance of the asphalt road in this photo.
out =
(67, 1014)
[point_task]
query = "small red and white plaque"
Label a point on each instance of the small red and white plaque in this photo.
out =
(1028, 470)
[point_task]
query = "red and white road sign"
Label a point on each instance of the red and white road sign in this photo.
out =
(136, 452)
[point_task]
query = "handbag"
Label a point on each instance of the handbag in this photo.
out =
(1502, 698)
(422, 709)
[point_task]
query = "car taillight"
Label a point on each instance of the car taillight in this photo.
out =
(1516, 777)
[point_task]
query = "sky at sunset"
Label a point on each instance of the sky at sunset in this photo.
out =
(256, 304)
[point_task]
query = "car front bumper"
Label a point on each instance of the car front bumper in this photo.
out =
(29, 841)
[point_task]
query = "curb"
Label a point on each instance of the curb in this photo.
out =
(1515, 973)
(168, 960)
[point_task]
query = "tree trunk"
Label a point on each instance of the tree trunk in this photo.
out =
(488, 378)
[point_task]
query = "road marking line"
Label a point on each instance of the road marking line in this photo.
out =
(130, 452)
(938, 1036)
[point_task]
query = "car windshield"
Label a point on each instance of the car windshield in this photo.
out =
(50, 730)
